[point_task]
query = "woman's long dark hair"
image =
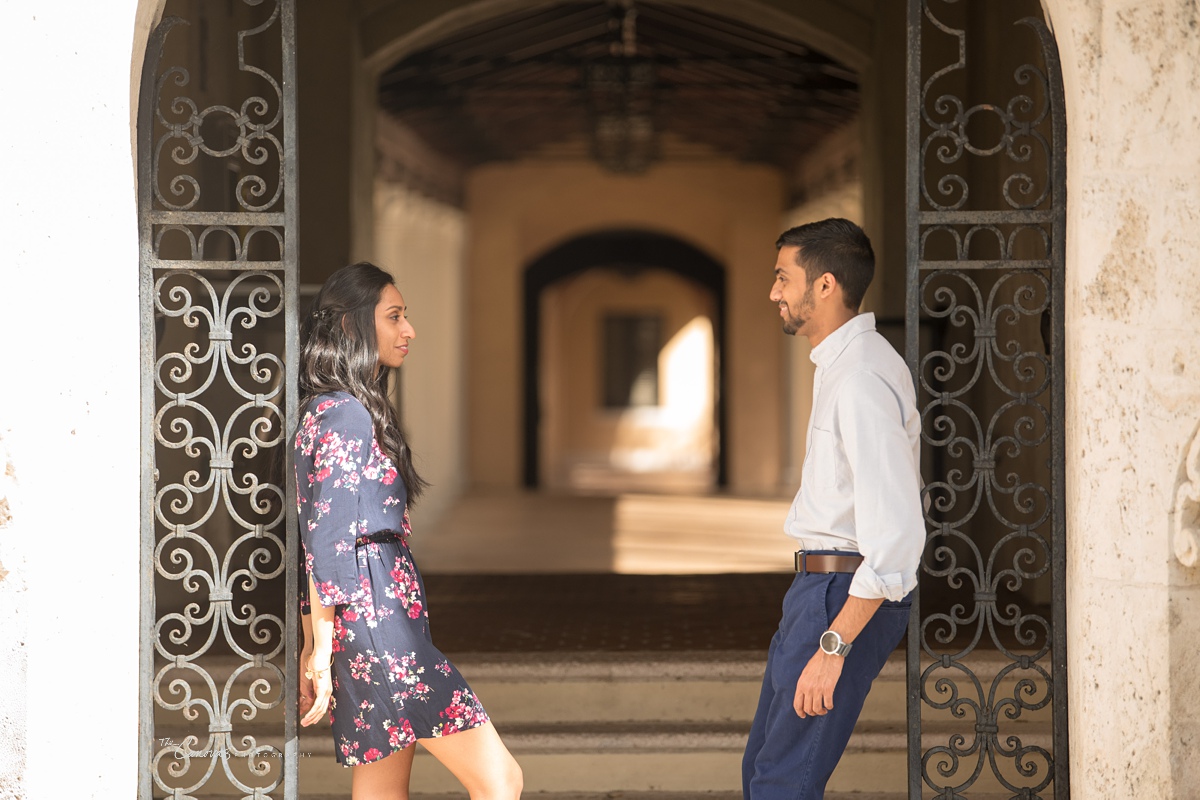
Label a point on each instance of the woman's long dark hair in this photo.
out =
(339, 353)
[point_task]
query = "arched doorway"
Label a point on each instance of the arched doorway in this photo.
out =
(618, 262)
(984, 598)
(718, 175)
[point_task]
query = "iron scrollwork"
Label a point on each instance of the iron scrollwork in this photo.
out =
(218, 282)
(986, 221)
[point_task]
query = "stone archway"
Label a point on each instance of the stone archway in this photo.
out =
(723, 450)
(604, 201)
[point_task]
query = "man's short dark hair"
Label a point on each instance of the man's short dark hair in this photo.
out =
(836, 246)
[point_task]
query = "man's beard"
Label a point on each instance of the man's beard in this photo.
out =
(794, 322)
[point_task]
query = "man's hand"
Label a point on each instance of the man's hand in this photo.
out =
(814, 690)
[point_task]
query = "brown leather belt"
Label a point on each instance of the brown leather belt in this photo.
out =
(820, 562)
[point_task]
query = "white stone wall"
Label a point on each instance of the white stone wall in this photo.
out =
(1132, 77)
(68, 401)
(14, 611)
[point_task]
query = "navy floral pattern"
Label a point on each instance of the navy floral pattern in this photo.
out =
(391, 686)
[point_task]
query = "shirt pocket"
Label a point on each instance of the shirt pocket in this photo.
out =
(823, 465)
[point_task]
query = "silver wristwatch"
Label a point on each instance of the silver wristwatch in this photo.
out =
(831, 643)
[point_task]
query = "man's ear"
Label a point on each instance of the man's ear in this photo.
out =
(826, 285)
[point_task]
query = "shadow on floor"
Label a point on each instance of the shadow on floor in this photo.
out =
(597, 612)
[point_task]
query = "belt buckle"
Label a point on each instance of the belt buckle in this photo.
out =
(801, 566)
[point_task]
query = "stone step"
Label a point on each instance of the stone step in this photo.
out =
(714, 795)
(612, 687)
(685, 686)
(604, 757)
(665, 737)
(595, 724)
(621, 795)
(708, 665)
(601, 774)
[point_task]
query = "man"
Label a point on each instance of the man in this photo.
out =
(857, 519)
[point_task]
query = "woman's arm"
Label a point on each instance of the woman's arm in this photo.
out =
(331, 447)
(318, 630)
(308, 694)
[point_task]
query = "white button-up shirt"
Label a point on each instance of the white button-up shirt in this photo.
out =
(860, 488)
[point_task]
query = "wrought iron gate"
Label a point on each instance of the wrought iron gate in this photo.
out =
(986, 220)
(216, 139)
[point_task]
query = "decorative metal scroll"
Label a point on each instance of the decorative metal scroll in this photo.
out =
(986, 223)
(217, 217)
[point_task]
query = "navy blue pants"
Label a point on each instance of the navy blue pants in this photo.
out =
(789, 758)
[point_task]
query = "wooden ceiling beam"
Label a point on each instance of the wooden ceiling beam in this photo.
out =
(721, 36)
(508, 88)
(740, 31)
(504, 39)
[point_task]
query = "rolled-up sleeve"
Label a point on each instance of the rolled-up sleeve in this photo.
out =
(331, 448)
(882, 456)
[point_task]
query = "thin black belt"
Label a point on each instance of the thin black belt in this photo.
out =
(379, 537)
(823, 562)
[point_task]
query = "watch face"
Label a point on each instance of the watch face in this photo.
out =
(830, 641)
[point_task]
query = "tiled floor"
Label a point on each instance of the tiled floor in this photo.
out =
(597, 612)
(518, 532)
(513, 572)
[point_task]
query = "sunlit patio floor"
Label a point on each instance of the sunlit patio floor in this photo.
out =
(531, 572)
(531, 532)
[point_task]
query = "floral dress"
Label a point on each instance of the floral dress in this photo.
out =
(391, 686)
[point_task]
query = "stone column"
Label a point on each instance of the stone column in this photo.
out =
(1133, 391)
(69, 392)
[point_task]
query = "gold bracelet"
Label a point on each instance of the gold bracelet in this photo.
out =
(310, 672)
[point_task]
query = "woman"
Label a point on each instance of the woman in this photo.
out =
(368, 658)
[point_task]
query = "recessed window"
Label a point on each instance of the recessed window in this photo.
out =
(631, 343)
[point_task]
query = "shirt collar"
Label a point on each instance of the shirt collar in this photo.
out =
(832, 346)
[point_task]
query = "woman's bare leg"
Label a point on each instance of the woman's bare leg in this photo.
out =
(480, 761)
(385, 779)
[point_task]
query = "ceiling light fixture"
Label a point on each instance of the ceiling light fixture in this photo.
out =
(620, 96)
